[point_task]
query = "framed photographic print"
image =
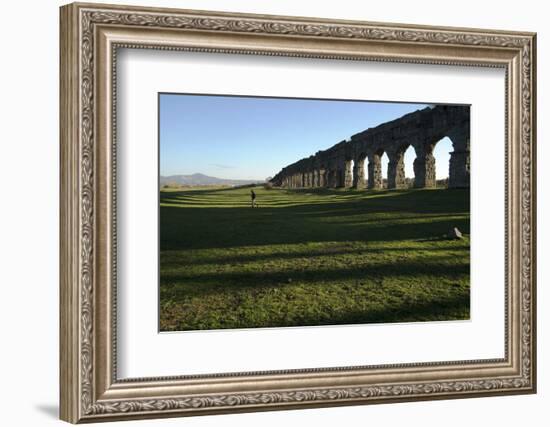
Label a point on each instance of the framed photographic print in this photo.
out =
(265, 212)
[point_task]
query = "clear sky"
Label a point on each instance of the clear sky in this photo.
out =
(254, 138)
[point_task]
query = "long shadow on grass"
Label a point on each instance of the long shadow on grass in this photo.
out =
(451, 307)
(207, 283)
(221, 228)
(419, 201)
(188, 227)
(173, 260)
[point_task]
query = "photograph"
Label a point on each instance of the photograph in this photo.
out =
(293, 212)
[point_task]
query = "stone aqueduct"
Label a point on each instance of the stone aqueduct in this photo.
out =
(421, 129)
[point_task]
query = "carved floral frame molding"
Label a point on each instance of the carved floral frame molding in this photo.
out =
(90, 36)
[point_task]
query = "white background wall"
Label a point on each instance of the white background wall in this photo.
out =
(29, 170)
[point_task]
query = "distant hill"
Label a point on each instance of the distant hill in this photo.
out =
(198, 179)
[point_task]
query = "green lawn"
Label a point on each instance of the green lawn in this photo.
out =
(311, 257)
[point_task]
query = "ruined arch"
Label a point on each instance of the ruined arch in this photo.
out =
(384, 167)
(359, 170)
(347, 172)
(459, 163)
(424, 164)
(408, 159)
(396, 166)
(375, 169)
(342, 165)
(442, 153)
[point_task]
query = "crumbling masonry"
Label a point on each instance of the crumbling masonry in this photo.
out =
(422, 129)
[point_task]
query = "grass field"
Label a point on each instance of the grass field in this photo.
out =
(311, 257)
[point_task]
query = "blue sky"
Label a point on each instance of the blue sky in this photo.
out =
(253, 138)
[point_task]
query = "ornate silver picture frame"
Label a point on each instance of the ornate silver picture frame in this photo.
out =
(91, 390)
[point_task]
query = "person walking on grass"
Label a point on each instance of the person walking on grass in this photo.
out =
(253, 198)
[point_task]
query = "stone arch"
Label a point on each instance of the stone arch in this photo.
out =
(332, 177)
(359, 171)
(442, 153)
(315, 177)
(323, 175)
(396, 165)
(408, 159)
(459, 163)
(340, 175)
(375, 169)
(384, 166)
(424, 164)
(342, 165)
(347, 173)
